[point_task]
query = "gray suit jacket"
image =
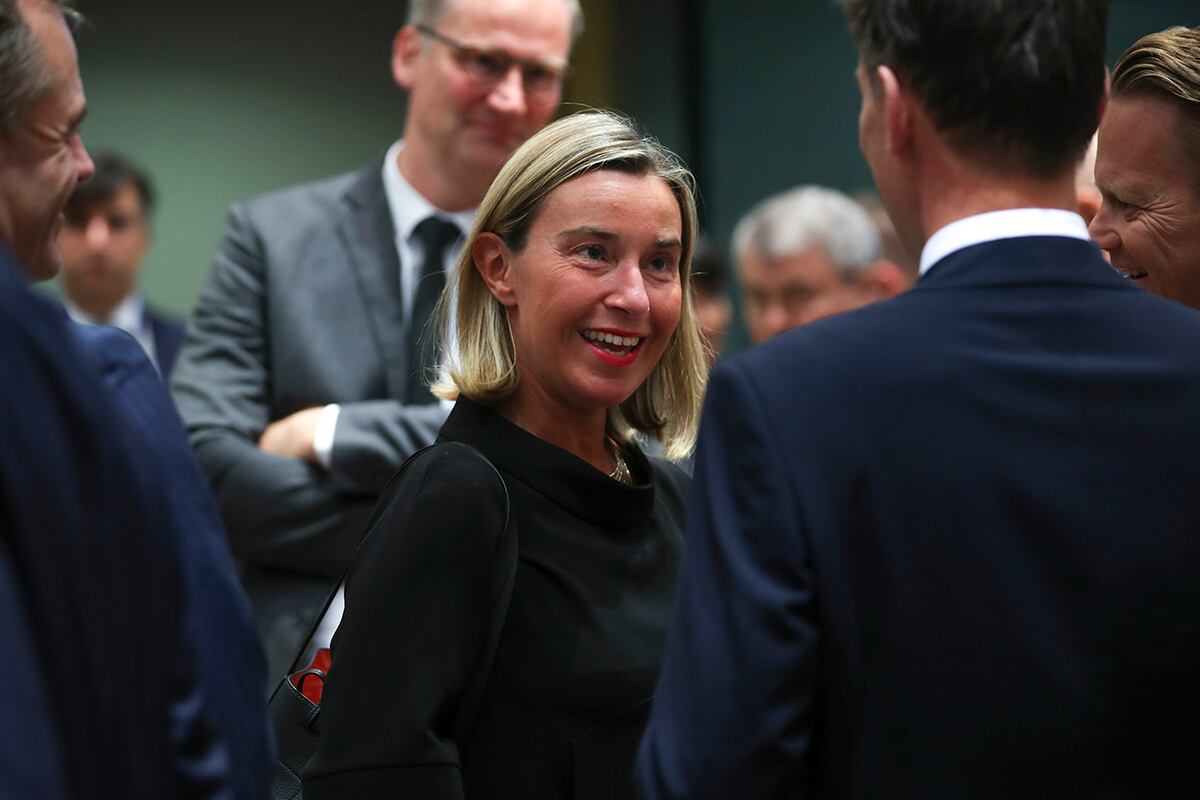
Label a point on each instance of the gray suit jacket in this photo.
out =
(302, 308)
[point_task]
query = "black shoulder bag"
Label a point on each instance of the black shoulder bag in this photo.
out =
(296, 718)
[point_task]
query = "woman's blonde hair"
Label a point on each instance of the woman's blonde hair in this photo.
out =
(476, 342)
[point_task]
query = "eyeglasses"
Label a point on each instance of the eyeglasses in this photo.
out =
(488, 67)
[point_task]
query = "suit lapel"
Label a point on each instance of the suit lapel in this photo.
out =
(367, 233)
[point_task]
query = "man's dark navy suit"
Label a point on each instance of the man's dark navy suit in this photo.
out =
(947, 546)
(219, 626)
(100, 674)
(168, 338)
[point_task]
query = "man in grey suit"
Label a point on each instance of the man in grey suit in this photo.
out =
(301, 377)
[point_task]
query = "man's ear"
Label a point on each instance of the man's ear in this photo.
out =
(897, 111)
(882, 280)
(406, 48)
(493, 260)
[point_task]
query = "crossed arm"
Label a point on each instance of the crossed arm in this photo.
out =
(281, 508)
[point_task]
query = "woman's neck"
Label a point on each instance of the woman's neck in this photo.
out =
(581, 433)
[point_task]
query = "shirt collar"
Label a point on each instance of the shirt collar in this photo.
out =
(409, 208)
(129, 316)
(991, 226)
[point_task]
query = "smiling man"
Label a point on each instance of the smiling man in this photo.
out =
(302, 378)
(1148, 166)
(100, 693)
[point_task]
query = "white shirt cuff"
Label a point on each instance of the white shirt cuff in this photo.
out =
(323, 435)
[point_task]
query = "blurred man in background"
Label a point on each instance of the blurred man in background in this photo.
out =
(104, 242)
(806, 254)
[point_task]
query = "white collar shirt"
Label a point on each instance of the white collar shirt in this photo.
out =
(409, 209)
(1013, 223)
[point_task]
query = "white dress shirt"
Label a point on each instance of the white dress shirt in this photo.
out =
(409, 208)
(1013, 223)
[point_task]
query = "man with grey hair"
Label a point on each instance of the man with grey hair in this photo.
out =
(805, 254)
(302, 376)
(99, 693)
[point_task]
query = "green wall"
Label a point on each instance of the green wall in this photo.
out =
(221, 100)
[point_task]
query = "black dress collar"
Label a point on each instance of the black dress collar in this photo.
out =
(563, 477)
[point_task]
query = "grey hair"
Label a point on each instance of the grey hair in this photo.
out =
(431, 12)
(23, 73)
(806, 216)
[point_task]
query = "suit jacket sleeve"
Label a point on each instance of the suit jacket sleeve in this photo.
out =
(418, 603)
(280, 512)
(218, 624)
(373, 438)
(30, 751)
(732, 714)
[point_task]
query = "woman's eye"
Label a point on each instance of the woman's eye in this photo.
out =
(661, 264)
(593, 252)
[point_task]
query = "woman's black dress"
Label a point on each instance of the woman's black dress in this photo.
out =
(576, 665)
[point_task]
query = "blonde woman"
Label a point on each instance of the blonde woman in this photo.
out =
(571, 335)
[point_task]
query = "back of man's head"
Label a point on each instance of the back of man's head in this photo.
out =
(1012, 85)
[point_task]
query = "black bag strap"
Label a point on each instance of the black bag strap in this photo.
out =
(504, 572)
(376, 513)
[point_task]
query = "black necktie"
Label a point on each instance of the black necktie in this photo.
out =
(435, 235)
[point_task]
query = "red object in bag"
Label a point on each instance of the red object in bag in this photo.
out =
(310, 681)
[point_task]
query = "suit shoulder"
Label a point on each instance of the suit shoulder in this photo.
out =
(451, 472)
(105, 341)
(116, 353)
(303, 201)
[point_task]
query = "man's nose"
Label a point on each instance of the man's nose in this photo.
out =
(96, 233)
(86, 168)
(508, 95)
(1101, 229)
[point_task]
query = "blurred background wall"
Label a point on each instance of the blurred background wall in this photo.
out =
(228, 98)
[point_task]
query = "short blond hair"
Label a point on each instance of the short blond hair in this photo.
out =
(1168, 63)
(474, 335)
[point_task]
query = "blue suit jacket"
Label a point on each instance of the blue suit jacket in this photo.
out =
(168, 336)
(219, 626)
(946, 546)
(97, 623)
